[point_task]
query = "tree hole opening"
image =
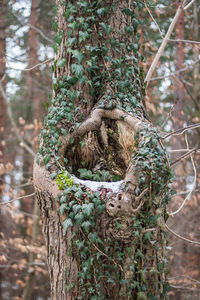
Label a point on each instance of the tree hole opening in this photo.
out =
(102, 155)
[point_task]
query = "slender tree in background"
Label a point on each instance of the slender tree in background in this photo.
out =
(179, 64)
(2, 78)
(196, 73)
(33, 96)
(104, 236)
(2, 104)
(178, 119)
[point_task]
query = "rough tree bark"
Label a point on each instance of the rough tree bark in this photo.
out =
(104, 236)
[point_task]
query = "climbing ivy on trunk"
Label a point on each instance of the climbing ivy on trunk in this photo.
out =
(102, 174)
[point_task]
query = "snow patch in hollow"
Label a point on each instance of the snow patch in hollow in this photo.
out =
(96, 185)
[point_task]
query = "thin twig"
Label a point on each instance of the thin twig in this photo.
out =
(188, 5)
(181, 237)
(171, 40)
(184, 287)
(33, 67)
(41, 33)
(153, 19)
(2, 79)
(182, 157)
(185, 192)
(168, 115)
(9, 111)
(182, 150)
(193, 186)
(10, 201)
(184, 41)
(176, 72)
(182, 130)
(186, 276)
(164, 42)
(23, 185)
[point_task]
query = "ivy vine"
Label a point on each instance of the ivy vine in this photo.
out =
(108, 71)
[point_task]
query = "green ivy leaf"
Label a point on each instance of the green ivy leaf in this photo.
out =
(77, 69)
(83, 35)
(87, 208)
(105, 27)
(76, 208)
(46, 159)
(86, 225)
(63, 199)
(79, 218)
(61, 62)
(62, 208)
(53, 175)
(77, 54)
(141, 295)
(66, 224)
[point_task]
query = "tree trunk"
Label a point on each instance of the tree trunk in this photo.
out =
(2, 104)
(33, 76)
(33, 96)
(2, 73)
(179, 63)
(104, 232)
(179, 143)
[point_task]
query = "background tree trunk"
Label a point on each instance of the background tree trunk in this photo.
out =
(104, 238)
(2, 103)
(2, 73)
(34, 98)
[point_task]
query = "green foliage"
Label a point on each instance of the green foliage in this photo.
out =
(62, 180)
(97, 176)
(111, 71)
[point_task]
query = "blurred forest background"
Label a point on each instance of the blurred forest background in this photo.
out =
(172, 101)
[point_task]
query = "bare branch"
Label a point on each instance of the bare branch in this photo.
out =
(188, 5)
(33, 67)
(9, 111)
(182, 130)
(193, 187)
(169, 115)
(182, 150)
(181, 237)
(153, 19)
(186, 276)
(170, 40)
(3, 78)
(164, 42)
(185, 192)
(24, 184)
(184, 41)
(183, 287)
(19, 198)
(176, 72)
(41, 33)
(182, 157)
